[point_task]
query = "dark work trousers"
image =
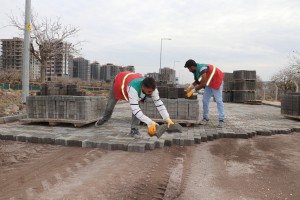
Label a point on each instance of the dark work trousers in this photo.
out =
(111, 103)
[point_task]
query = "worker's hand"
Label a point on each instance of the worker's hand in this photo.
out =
(152, 128)
(188, 89)
(169, 121)
(190, 93)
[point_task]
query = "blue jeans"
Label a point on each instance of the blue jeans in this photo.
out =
(208, 93)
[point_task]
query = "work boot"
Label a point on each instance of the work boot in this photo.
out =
(134, 132)
(204, 121)
(220, 125)
(100, 122)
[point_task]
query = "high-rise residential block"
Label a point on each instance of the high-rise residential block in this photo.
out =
(81, 69)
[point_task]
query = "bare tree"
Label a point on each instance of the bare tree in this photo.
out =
(48, 39)
(10, 76)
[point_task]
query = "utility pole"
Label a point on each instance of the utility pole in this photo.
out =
(25, 70)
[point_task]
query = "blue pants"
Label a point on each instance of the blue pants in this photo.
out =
(208, 93)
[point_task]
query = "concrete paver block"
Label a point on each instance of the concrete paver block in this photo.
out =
(137, 147)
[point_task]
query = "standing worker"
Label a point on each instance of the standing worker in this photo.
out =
(134, 87)
(211, 78)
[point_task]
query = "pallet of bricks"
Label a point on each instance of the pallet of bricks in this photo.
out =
(58, 103)
(181, 109)
(239, 86)
(290, 105)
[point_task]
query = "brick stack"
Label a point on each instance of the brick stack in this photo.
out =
(244, 86)
(60, 89)
(64, 103)
(290, 105)
(228, 87)
(178, 109)
(65, 107)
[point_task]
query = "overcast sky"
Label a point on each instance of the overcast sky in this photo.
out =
(230, 34)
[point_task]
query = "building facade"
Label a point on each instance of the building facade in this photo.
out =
(61, 64)
(95, 71)
(81, 69)
(108, 72)
(12, 53)
(129, 68)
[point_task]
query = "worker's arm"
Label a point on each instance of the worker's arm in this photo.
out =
(160, 105)
(135, 107)
(202, 82)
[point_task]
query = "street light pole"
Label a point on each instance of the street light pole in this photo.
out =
(161, 51)
(25, 70)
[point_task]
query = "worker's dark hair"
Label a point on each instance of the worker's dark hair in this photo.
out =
(149, 82)
(190, 63)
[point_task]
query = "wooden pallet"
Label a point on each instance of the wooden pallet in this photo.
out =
(253, 102)
(184, 122)
(54, 122)
(292, 116)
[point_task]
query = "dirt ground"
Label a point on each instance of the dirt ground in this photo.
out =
(36, 171)
(257, 168)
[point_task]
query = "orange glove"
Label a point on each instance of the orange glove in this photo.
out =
(169, 121)
(152, 128)
(188, 89)
(190, 93)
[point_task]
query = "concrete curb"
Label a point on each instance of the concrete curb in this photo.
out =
(14, 118)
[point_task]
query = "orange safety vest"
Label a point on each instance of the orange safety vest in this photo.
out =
(121, 82)
(214, 77)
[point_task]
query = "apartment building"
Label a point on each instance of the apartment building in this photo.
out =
(127, 68)
(81, 69)
(61, 64)
(12, 53)
(108, 72)
(12, 57)
(95, 71)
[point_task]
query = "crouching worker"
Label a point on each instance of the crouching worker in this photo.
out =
(134, 88)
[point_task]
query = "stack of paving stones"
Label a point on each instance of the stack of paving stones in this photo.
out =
(84, 108)
(244, 86)
(228, 87)
(239, 86)
(178, 109)
(64, 103)
(290, 105)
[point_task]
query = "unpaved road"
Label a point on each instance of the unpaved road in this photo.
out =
(258, 168)
(36, 171)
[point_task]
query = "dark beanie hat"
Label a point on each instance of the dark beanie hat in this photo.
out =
(190, 63)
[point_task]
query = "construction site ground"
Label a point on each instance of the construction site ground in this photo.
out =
(255, 156)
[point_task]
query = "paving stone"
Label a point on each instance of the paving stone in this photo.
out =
(210, 137)
(8, 137)
(197, 139)
(169, 142)
(75, 143)
(33, 139)
(137, 147)
(60, 141)
(89, 144)
(150, 145)
(159, 143)
(296, 129)
(21, 138)
(47, 140)
(176, 141)
(189, 142)
(203, 138)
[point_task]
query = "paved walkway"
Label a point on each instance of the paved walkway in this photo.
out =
(241, 121)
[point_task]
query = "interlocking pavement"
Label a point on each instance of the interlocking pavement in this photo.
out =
(241, 121)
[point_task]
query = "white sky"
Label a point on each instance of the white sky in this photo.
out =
(230, 34)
